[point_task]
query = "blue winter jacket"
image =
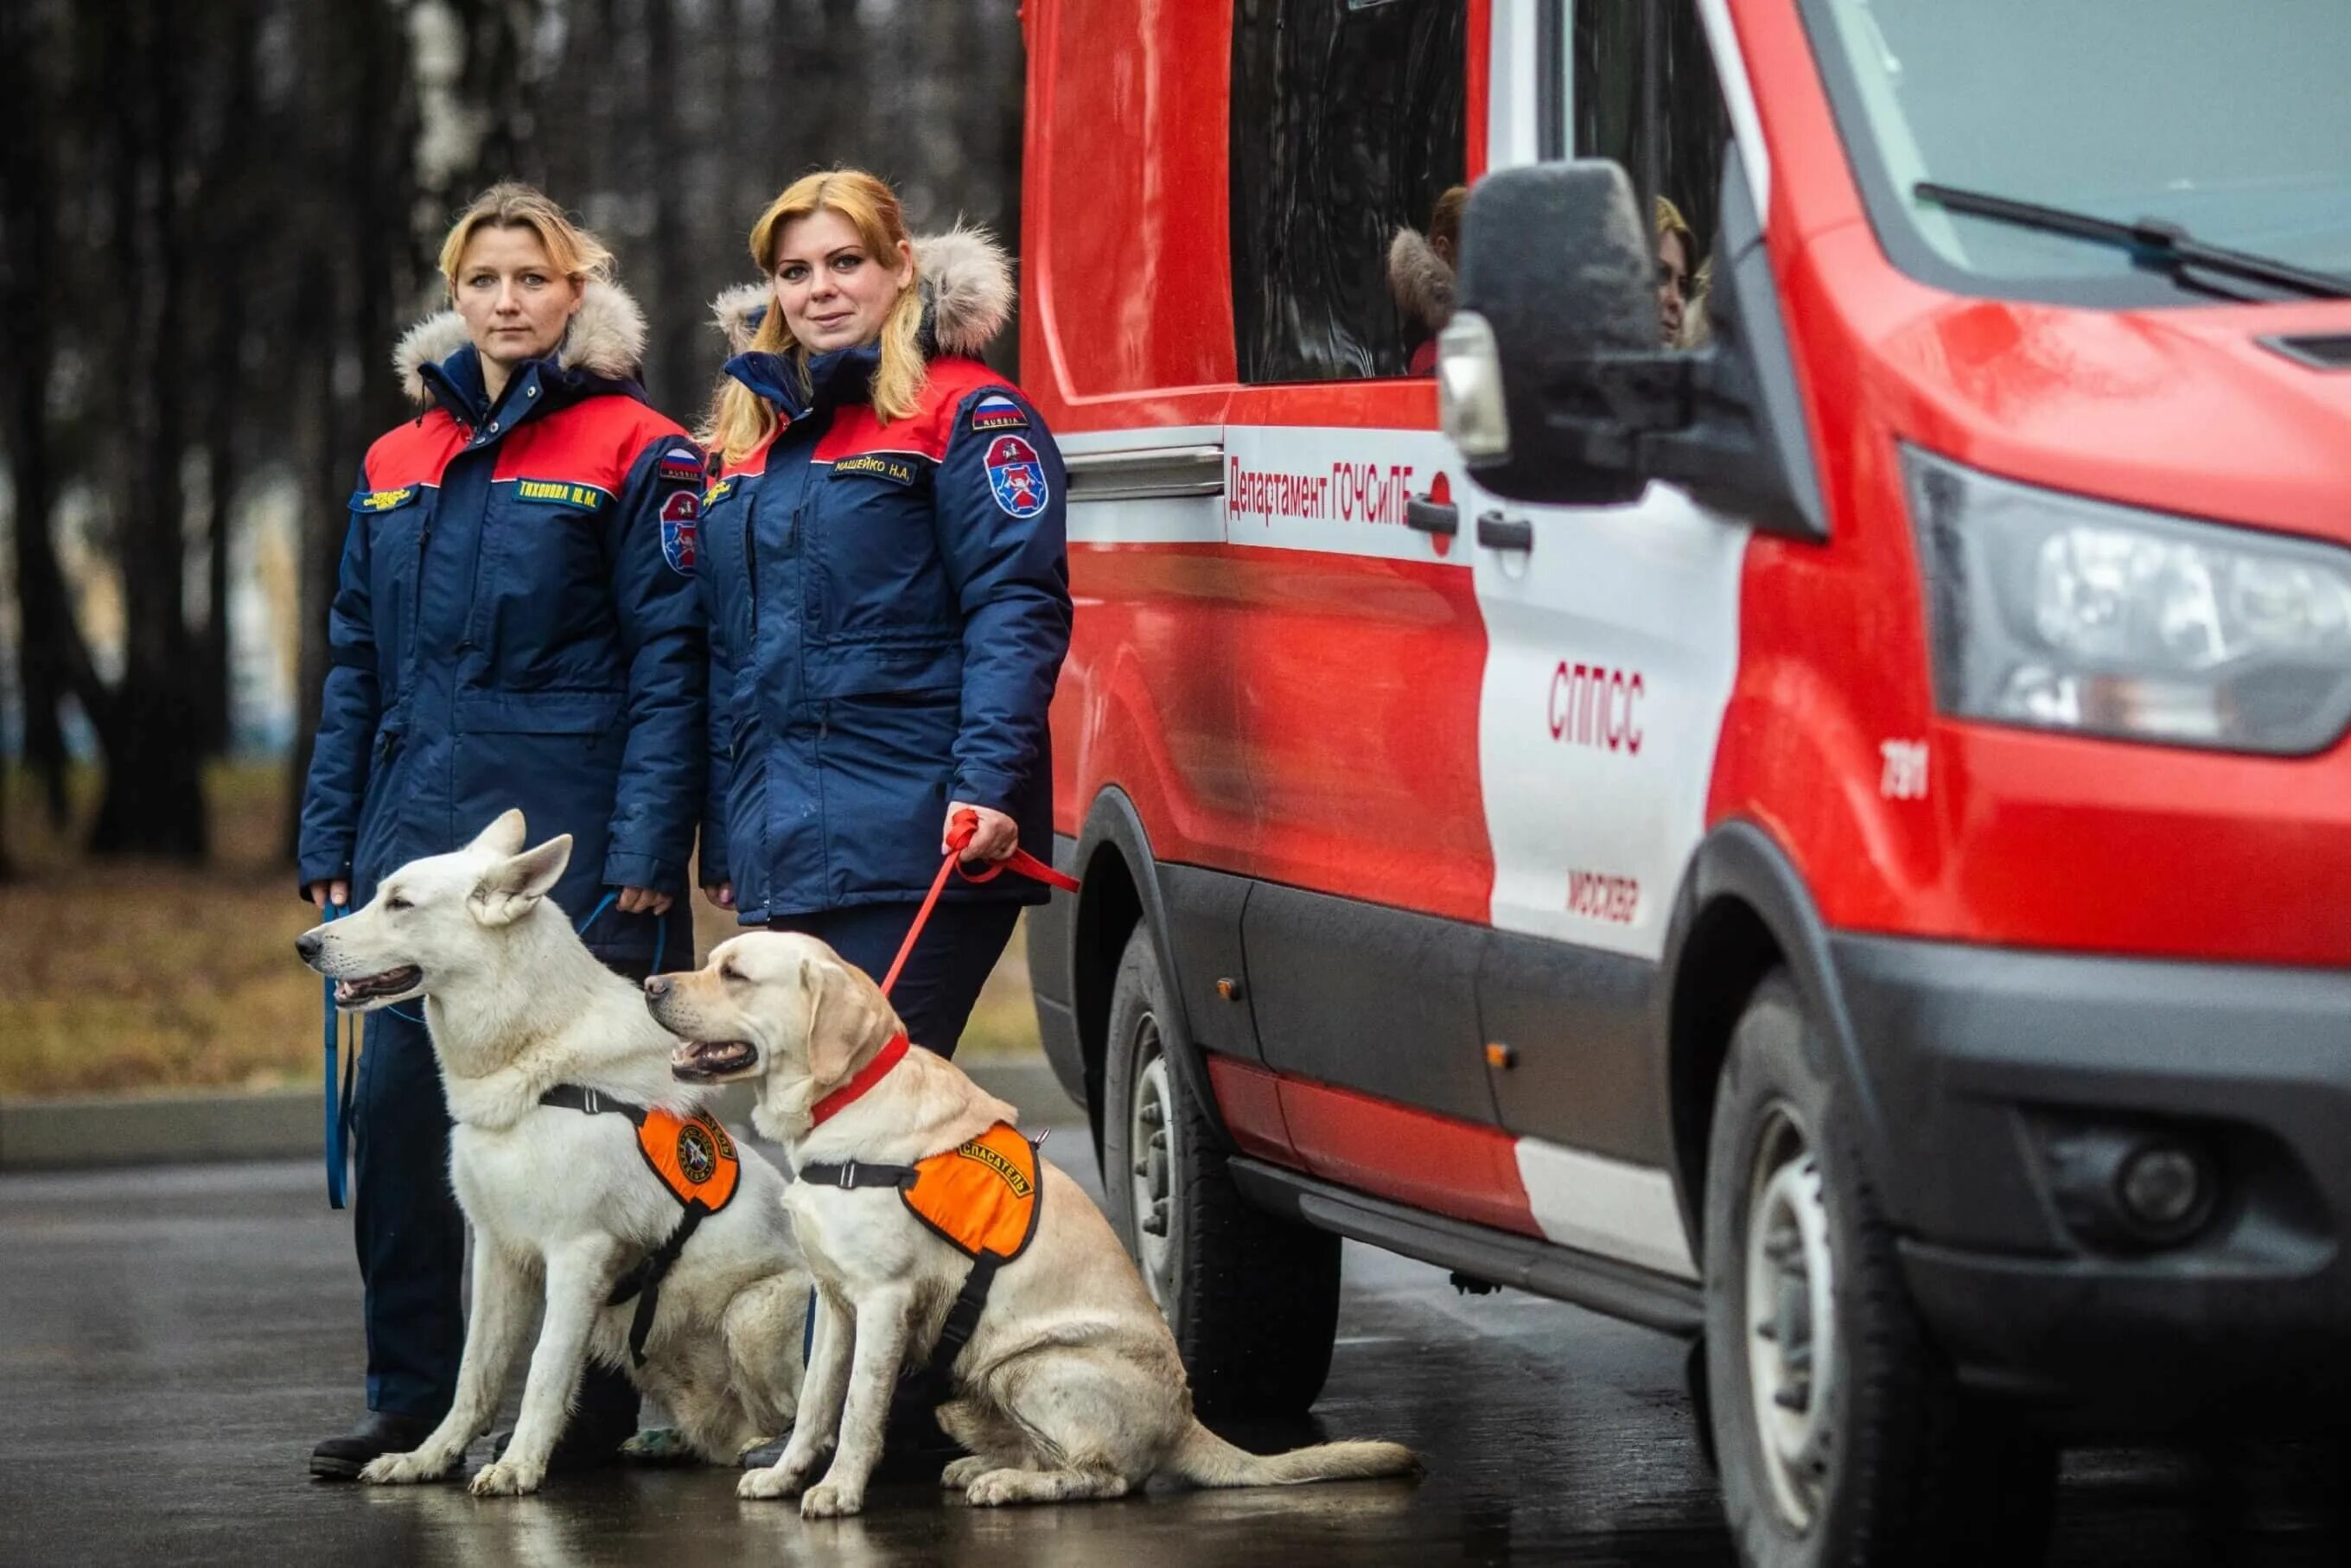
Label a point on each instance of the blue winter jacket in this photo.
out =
(889, 608)
(516, 624)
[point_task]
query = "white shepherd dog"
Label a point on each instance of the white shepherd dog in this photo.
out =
(572, 1194)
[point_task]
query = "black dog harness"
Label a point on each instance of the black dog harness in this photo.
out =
(981, 1198)
(698, 1165)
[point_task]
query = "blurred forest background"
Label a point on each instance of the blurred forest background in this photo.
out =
(215, 219)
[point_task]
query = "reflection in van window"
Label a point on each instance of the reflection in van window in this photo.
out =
(1674, 159)
(1347, 126)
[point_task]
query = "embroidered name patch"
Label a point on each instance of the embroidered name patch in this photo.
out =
(386, 500)
(561, 492)
(679, 532)
(873, 465)
(996, 412)
(1016, 476)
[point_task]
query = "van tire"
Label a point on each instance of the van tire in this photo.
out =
(1880, 1458)
(1253, 1299)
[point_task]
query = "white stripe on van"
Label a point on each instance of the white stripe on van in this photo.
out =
(1595, 1204)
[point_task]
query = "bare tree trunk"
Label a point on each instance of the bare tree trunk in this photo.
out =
(48, 644)
(363, 80)
(223, 210)
(668, 363)
(154, 802)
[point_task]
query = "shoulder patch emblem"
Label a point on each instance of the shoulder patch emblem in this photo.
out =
(679, 518)
(996, 412)
(718, 492)
(1016, 476)
(875, 466)
(682, 469)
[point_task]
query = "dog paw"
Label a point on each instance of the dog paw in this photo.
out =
(504, 1478)
(997, 1488)
(402, 1470)
(960, 1473)
(773, 1482)
(828, 1501)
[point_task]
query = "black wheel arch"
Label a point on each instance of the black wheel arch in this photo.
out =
(1742, 911)
(1119, 889)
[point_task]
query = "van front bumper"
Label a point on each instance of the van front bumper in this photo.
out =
(1985, 1071)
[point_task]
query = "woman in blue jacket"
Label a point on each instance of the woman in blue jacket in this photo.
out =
(514, 624)
(888, 591)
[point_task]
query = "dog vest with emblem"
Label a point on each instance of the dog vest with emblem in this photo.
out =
(692, 1154)
(980, 1197)
(694, 1159)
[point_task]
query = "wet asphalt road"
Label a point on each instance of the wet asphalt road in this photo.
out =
(172, 1341)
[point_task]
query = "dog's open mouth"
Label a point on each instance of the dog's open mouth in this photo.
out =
(367, 987)
(710, 1061)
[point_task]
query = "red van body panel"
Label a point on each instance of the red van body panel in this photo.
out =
(1310, 696)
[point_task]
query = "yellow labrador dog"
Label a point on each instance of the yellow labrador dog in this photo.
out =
(1070, 1385)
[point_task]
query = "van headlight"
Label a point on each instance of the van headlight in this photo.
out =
(2055, 612)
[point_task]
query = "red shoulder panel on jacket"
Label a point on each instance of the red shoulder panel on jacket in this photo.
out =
(413, 452)
(595, 441)
(925, 432)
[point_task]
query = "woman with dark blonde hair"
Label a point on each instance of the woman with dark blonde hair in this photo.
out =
(888, 592)
(514, 624)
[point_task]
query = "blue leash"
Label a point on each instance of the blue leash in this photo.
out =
(338, 1115)
(339, 1110)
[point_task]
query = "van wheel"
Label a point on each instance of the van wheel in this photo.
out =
(1253, 1300)
(1841, 1436)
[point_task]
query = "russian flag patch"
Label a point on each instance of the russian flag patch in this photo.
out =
(996, 412)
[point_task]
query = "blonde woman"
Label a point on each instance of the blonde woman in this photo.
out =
(888, 591)
(516, 624)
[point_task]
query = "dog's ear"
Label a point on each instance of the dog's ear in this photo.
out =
(848, 1017)
(508, 889)
(505, 836)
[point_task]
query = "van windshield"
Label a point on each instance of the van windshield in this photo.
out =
(2231, 120)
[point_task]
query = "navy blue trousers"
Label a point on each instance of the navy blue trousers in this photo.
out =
(410, 1235)
(945, 972)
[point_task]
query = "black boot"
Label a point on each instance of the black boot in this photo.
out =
(383, 1432)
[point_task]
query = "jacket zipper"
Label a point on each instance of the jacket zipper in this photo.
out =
(751, 562)
(416, 601)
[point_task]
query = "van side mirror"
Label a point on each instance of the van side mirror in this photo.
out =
(1552, 379)
(1555, 285)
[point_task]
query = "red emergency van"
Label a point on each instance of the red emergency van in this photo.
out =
(1751, 741)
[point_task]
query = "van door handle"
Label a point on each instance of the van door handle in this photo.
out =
(1432, 517)
(1496, 531)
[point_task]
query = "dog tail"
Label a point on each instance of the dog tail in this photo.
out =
(1205, 1459)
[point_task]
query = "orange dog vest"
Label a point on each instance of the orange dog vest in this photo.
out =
(981, 1196)
(692, 1154)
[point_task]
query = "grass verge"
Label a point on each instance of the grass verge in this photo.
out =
(130, 977)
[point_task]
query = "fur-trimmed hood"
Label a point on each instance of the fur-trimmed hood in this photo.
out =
(1420, 280)
(606, 340)
(967, 282)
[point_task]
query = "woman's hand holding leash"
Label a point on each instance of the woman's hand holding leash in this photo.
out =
(720, 895)
(642, 901)
(994, 840)
(337, 892)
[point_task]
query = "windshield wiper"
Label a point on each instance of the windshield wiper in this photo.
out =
(2152, 242)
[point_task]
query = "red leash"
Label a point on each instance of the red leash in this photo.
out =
(959, 837)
